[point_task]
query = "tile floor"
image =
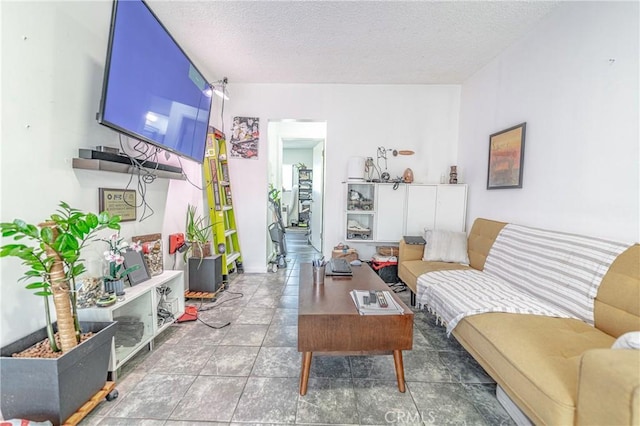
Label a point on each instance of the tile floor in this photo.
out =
(248, 372)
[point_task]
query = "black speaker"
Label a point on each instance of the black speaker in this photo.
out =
(205, 274)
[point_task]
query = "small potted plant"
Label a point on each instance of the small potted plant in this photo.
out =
(198, 234)
(53, 388)
(115, 270)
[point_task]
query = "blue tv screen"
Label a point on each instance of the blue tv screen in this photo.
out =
(152, 91)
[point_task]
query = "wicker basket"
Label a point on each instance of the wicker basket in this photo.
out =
(387, 250)
(342, 251)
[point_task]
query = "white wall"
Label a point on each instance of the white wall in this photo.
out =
(581, 165)
(52, 66)
(297, 155)
(359, 119)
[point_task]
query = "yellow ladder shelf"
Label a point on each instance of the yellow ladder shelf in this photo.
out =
(225, 235)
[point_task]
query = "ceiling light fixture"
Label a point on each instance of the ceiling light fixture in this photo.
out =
(220, 88)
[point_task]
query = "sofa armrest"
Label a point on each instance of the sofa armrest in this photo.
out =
(410, 251)
(609, 387)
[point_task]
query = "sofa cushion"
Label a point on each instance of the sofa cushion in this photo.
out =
(445, 246)
(609, 388)
(483, 234)
(539, 372)
(410, 270)
(561, 269)
(454, 295)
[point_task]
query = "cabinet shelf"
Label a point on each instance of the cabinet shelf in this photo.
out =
(110, 166)
(383, 213)
(138, 316)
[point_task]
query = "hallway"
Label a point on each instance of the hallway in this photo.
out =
(298, 247)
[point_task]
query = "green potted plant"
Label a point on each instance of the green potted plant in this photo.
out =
(51, 253)
(198, 234)
(115, 270)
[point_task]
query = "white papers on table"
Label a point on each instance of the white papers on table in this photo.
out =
(392, 307)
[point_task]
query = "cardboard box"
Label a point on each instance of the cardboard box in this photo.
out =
(349, 254)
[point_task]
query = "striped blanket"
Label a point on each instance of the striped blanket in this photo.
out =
(528, 271)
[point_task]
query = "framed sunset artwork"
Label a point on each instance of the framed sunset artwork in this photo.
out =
(506, 158)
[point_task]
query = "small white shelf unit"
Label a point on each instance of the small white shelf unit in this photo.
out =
(378, 212)
(138, 315)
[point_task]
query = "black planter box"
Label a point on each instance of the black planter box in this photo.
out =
(40, 389)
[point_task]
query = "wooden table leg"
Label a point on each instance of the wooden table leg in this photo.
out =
(306, 367)
(397, 359)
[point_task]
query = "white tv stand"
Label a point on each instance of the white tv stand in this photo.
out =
(138, 313)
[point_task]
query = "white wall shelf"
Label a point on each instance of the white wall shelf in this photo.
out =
(110, 166)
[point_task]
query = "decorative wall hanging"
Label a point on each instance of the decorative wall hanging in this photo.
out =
(244, 138)
(121, 202)
(506, 158)
(152, 252)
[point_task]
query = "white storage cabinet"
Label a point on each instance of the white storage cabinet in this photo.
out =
(376, 212)
(390, 212)
(137, 314)
(421, 208)
(360, 212)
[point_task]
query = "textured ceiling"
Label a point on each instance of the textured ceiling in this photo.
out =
(352, 42)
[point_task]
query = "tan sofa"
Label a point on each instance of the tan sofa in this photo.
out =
(558, 371)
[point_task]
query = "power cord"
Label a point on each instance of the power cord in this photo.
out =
(209, 308)
(213, 326)
(189, 180)
(241, 295)
(144, 175)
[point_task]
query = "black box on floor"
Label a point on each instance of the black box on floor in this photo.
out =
(386, 268)
(205, 274)
(389, 274)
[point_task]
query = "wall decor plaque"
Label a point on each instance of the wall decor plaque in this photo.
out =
(121, 202)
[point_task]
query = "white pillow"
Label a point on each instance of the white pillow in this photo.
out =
(630, 340)
(446, 246)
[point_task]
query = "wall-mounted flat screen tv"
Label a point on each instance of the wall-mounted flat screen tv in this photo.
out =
(152, 91)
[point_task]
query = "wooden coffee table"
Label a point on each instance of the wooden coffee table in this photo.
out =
(329, 323)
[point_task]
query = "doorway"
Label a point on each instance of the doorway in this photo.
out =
(296, 168)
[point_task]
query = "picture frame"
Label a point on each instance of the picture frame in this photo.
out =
(131, 258)
(152, 252)
(506, 158)
(121, 202)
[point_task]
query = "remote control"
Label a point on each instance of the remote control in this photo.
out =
(372, 297)
(381, 300)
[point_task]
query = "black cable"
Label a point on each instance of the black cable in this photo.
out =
(213, 326)
(144, 174)
(200, 309)
(241, 295)
(224, 88)
(187, 177)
